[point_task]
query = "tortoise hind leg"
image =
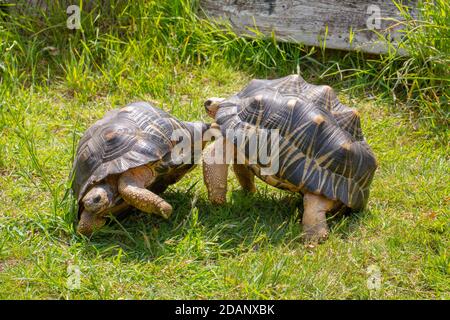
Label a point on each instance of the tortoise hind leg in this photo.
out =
(315, 228)
(132, 185)
(245, 177)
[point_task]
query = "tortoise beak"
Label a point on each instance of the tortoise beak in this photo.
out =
(89, 222)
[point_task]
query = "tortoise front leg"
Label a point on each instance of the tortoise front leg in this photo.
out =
(215, 174)
(314, 219)
(245, 177)
(132, 188)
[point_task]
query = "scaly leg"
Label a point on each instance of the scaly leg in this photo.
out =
(245, 177)
(132, 189)
(215, 174)
(314, 220)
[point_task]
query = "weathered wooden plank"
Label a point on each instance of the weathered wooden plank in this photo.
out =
(343, 24)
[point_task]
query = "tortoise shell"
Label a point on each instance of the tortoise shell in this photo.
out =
(321, 146)
(138, 134)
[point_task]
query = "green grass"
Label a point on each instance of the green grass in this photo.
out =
(248, 249)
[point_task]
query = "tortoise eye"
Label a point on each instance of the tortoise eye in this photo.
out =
(97, 199)
(208, 103)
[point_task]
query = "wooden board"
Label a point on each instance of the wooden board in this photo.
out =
(312, 21)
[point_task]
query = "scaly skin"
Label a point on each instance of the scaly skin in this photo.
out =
(92, 221)
(95, 204)
(245, 177)
(131, 187)
(215, 175)
(100, 197)
(315, 228)
(89, 222)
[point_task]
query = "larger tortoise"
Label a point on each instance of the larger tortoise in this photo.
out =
(322, 152)
(127, 159)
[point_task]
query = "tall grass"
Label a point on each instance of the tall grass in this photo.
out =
(422, 78)
(124, 40)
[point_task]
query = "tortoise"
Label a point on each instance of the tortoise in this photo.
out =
(127, 159)
(322, 152)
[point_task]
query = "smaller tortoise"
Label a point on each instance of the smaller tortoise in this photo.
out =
(126, 159)
(322, 153)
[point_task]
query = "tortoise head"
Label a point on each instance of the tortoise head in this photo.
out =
(212, 105)
(95, 203)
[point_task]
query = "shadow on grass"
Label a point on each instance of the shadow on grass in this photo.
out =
(200, 230)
